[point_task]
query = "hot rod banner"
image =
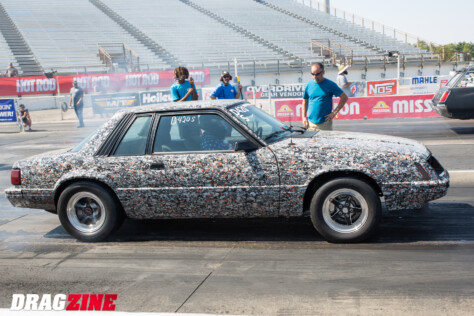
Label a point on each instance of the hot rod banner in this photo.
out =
(27, 86)
(106, 82)
(366, 107)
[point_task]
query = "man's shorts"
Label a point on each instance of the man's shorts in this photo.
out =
(326, 126)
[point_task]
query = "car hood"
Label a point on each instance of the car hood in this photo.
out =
(360, 142)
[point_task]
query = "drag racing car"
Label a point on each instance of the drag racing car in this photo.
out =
(226, 159)
(456, 98)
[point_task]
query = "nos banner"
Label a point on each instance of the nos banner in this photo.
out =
(369, 107)
(386, 87)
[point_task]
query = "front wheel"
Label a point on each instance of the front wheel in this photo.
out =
(345, 210)
(88, 212)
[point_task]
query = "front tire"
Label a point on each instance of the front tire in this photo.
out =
(345, 210)
(88, 212)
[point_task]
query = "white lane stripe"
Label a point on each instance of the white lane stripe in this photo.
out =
(442, 142)
(460, 171)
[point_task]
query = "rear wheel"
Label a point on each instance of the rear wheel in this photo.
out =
(88, 212)
(345, 210)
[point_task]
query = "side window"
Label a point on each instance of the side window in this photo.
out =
(467, 80)
(204, 132)
(134, 141)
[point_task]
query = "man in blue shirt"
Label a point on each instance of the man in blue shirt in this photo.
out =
(318, 114)
(183, 90)
(225, 90)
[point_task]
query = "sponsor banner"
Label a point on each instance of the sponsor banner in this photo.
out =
(7, 111)
(27, 86)
(427, 84)
(365, 107)
(112, 102)
(357, 89)
(107, 82)
(287, 91)
(129, 80)
(150, 97)
(386, 87)
(162, 96)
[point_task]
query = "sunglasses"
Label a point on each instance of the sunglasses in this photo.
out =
(228, 77)
(317, 73)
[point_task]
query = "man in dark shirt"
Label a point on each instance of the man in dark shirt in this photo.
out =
(77, 96)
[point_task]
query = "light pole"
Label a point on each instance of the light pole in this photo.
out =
(396, 54)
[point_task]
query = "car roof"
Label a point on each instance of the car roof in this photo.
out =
(180, 106)
(468, 68)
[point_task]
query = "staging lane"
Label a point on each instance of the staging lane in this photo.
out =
(419, 261)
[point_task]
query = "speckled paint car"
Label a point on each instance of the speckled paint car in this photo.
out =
(225, 159)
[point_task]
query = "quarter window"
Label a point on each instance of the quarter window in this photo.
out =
(134, 141)
(206, 132)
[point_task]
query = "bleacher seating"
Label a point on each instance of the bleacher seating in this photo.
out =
(63, 34)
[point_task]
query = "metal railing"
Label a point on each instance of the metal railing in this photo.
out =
(392, 32)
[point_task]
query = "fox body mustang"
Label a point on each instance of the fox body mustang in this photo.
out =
(226, 159)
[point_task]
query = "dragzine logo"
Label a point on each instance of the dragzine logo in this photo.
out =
(36, 85)
(59, 302)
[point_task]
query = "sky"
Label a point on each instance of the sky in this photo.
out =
(439, 21)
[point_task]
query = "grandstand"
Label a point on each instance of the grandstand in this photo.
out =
(262, 35)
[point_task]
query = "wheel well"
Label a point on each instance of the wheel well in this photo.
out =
(64, 185)
(317, 182)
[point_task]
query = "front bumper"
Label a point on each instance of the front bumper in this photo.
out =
(414, 195)
(31, 198)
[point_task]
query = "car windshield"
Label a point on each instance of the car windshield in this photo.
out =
(265, 126)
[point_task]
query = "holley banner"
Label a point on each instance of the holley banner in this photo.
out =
(365, 107)
(106, 82)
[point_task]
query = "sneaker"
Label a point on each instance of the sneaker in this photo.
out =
(29, 128)
(80, 126)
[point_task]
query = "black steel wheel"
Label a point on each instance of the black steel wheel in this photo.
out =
(345, 210)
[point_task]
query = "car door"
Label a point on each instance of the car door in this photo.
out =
(195, 170)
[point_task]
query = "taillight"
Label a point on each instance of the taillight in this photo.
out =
(16, 177)
(444, 97)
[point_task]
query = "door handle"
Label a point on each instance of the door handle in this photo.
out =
(157, 166)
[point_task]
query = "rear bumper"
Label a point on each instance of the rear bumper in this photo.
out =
(441, 109)
(31, 198)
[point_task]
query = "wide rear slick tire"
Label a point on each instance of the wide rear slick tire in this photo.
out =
(345, 210)
(88, 212)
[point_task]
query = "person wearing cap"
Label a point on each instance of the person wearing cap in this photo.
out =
(25, 117)
(77, 96)
(225, 90)
(317, 105)
(342, 82)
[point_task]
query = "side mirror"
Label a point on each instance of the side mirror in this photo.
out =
(245, 146)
